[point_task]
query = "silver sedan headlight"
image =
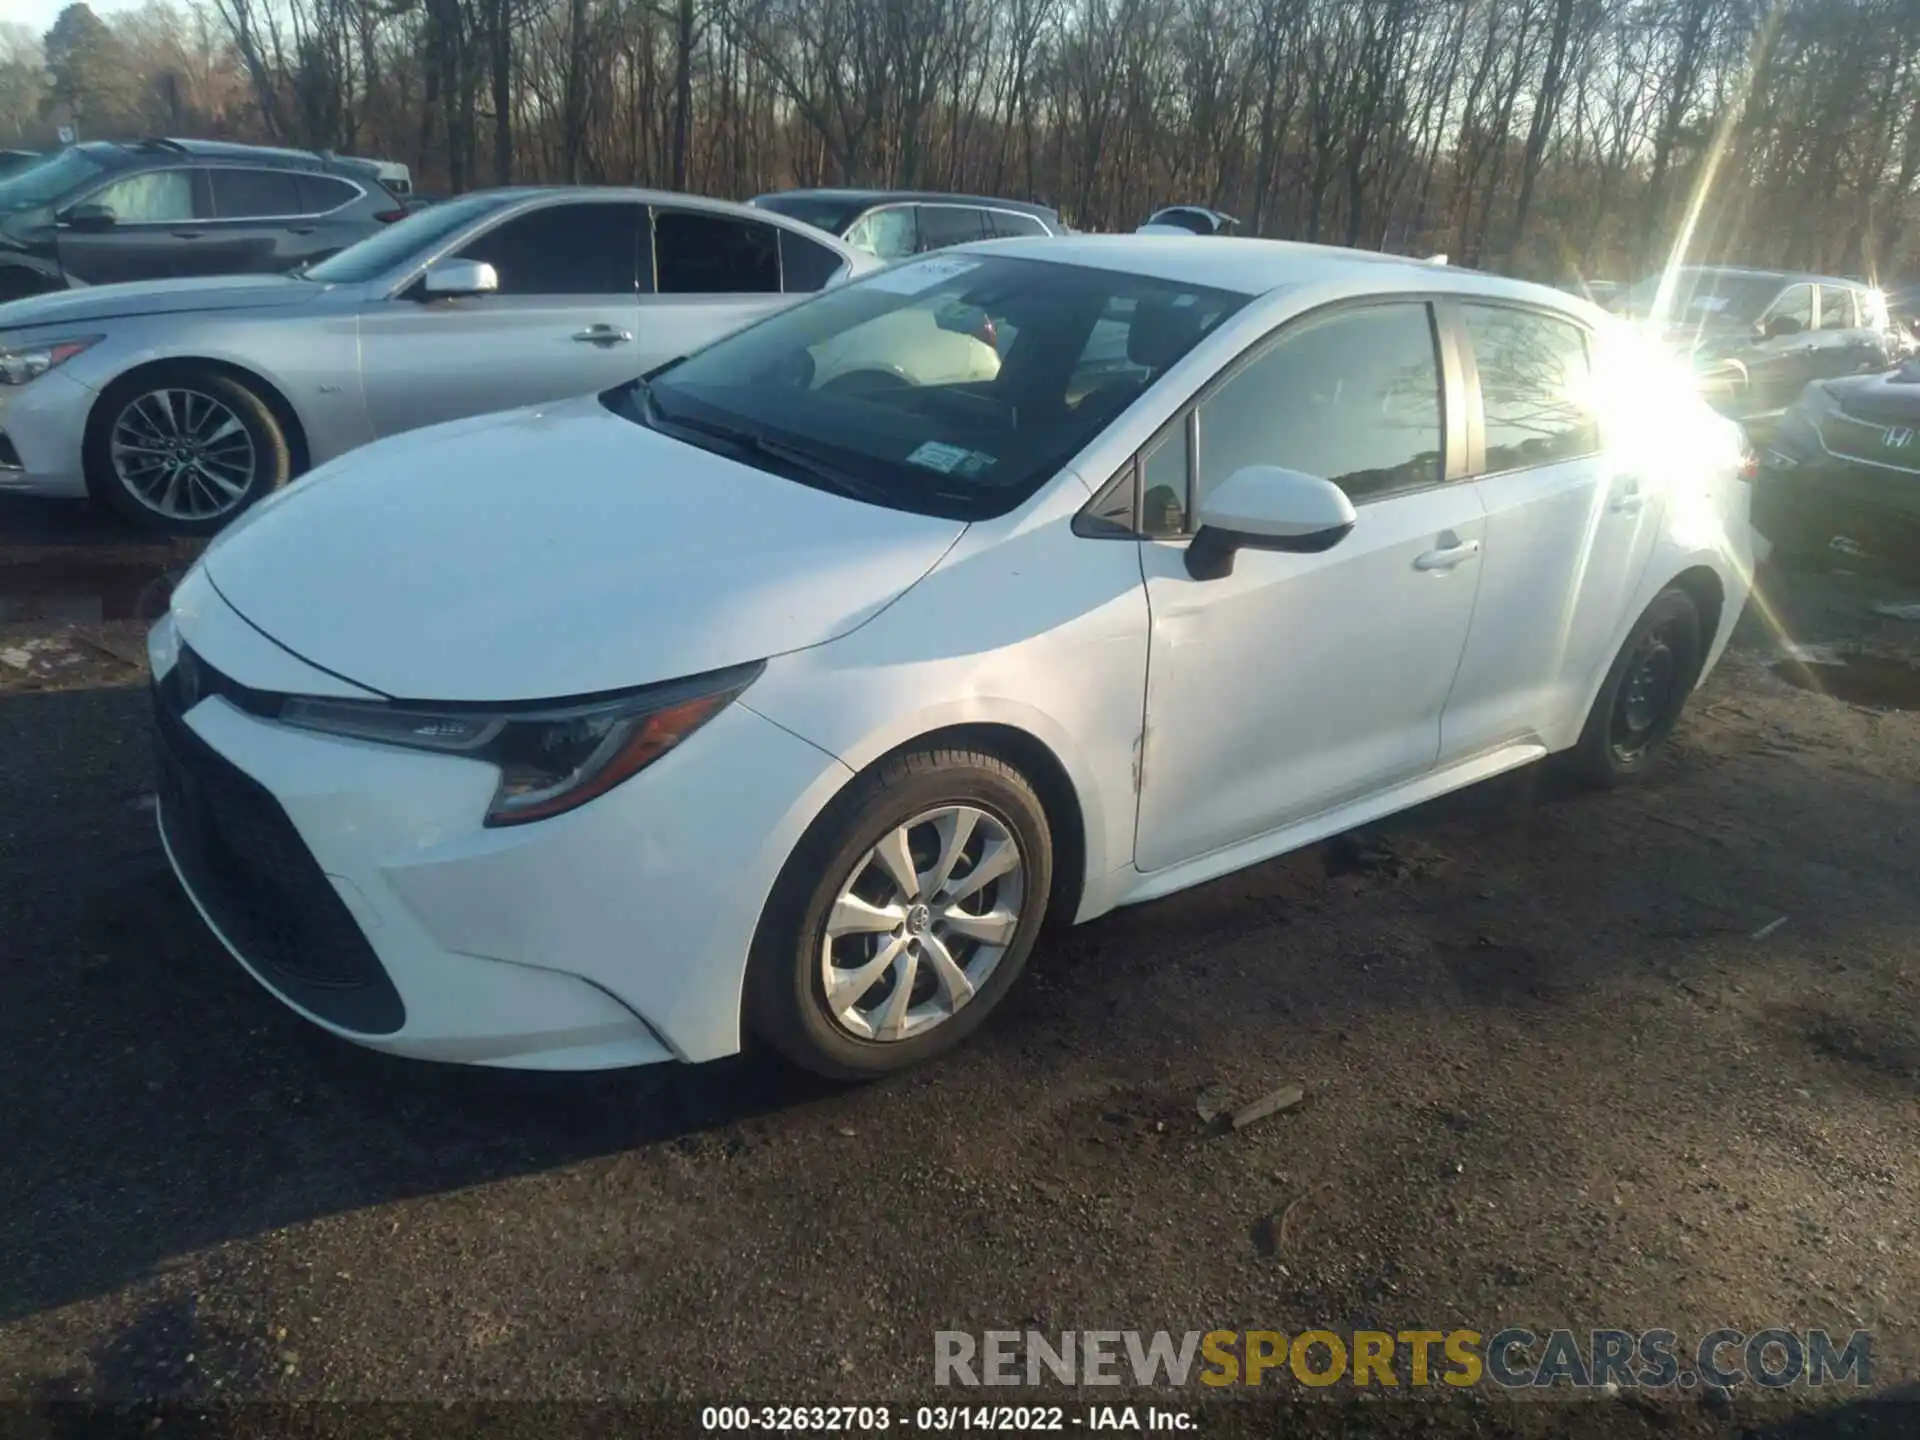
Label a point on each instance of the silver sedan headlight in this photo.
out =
(551, 758)
(21, 363)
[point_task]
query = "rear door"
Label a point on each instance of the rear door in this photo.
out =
(1780, 365)
(335, 214)
(255, 214)
(565, 321)
(1844, 342)
(158, 230)
(711, 273)
(1569, 529)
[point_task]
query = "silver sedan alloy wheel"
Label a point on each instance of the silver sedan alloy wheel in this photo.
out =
(183, 454)
(921, 923)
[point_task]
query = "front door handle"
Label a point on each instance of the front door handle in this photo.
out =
(1450, 556)
(603, 335)
(303, 229)
(188, 234)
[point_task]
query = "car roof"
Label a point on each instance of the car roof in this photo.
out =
(163, 148)
(927, 197)
(1257, 267)
(1785, 277)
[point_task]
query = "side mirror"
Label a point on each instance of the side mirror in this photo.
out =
(90, 217)
(1263, 507)
(453, 276)
(1781, 325)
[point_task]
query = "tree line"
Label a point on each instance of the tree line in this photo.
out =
(1553, 138)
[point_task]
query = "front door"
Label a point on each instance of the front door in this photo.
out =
(1298, 683)
(159, 230)
(1571, 525)
(564, 321)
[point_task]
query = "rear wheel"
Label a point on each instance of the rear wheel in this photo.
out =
(1644, 692)
(184, 449)
(904, 915)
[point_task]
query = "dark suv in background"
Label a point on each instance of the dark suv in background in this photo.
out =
(1758, 337)
(894, 224)
(103, 212)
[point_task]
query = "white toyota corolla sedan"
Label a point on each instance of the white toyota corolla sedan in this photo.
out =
(770, 697)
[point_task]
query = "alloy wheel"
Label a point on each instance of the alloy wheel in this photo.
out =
(922, 921)
(183, 454)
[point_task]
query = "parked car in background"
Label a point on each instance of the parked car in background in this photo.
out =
(183, 402)
(1756, 338)
(12, 162)
(892, 224)
(738, 706)
(1188, 220)
(101, 213)
(394, 177)
(1843, 465)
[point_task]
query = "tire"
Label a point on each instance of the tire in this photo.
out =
(787, 998)
(1644, 692)
(240, 445)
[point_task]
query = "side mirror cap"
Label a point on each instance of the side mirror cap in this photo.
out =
(89, 217)
(1266, 507)
(453, 276)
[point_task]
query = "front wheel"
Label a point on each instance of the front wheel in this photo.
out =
(184, 450)
(903, 916)
(1642, 697)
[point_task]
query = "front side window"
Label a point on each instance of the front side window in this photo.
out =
(47, 180)
(889, 234)
(1836, 308)
(255, 194)
(1795, 303)
(1535, 387)
(700, 254)
(1352, 396)
(564, 250)
(953, 385)
(153, 197)
(403, 243)
(944, 225)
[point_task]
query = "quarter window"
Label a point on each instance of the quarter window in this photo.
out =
(1836, 307)
(321, 193)
(564, 250)
(1006, 223)
(1535, 387)
(696, 254)
(1352, 396)
(153, 197)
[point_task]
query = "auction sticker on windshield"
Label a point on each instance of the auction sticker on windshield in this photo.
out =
(912, 278)
(949, 459)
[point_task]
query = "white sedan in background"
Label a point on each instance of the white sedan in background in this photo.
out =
(734, 701)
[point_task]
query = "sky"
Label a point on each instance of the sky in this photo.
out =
(37, 15)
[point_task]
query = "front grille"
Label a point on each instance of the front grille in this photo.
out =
(259, 883)
(1880, 443)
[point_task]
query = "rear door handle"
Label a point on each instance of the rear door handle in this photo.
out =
(1449, 557)
(603, 335)
(303, 229)
(188, 234)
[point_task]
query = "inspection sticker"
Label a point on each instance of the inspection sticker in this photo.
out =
(949, 459)
(917, 275)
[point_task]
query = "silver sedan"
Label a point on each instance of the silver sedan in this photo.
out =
(181, 402)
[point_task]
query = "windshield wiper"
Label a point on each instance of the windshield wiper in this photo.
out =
(753, 442)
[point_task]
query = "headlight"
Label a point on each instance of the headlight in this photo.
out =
(21, 363)
(551, 758)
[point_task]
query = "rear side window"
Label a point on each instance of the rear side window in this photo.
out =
(321, 193)
(1535, 387)
(582, 249)
(1795, 303)
(697, 254)
(1352, 396)
(254, 194)
(1836, 308)
(944, 225)
(1006, 224)
(805, 265)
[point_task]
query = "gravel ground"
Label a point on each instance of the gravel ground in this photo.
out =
(1555, 1075)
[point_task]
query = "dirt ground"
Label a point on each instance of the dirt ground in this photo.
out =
(1643, 1059)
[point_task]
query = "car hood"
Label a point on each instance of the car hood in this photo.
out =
(1891, 397)
(555, 552)
(156, 297)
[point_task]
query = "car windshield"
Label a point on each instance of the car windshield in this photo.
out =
(952, 385)
(47, 180)
(1704, 296)
(401, 241)
(823, 212)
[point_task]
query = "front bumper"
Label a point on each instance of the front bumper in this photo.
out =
(43, 425)
(1828, 508)
(371, 900)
